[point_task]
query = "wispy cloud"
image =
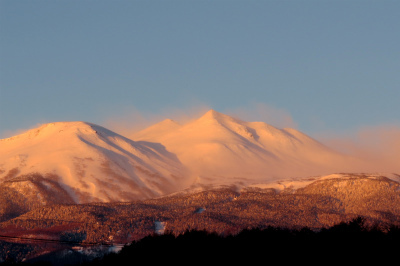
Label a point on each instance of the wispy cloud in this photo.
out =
(378, 147)
(133, 120)
(262, 112)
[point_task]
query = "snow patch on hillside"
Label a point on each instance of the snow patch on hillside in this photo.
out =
(295, 184)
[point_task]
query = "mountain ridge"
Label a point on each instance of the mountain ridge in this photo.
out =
(222, 142)
(93, 163)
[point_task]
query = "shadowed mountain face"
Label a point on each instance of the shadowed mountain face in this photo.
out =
(27, 192)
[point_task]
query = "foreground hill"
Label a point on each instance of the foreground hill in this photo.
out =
(318, 203)
(350, 242)
(314, 203)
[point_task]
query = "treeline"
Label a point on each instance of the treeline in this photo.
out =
(344, 243)
(11, 253)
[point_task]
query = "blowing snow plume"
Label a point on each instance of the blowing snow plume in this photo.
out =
(131, 120)
(377, 148)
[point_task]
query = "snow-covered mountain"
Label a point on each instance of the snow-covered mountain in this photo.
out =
(89, 163)
(221, 149)
(195, 176)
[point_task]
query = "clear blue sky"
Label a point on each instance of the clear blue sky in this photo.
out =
(332, 65)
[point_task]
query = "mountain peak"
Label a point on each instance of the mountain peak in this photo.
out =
(86, 158)
(169, 122)
(214, 115)
(210, 113)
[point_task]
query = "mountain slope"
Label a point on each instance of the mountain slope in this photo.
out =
(219, 148)
(91, 163)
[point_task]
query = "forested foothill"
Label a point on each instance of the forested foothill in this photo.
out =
(311, 222)
(350, 242)
(345, 242)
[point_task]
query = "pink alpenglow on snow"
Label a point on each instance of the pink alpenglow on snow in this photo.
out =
(217, 148)
(91, 163)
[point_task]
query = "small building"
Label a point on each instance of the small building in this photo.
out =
(159, 227)
(199, 210)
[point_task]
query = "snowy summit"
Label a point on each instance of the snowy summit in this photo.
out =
(91, 163)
